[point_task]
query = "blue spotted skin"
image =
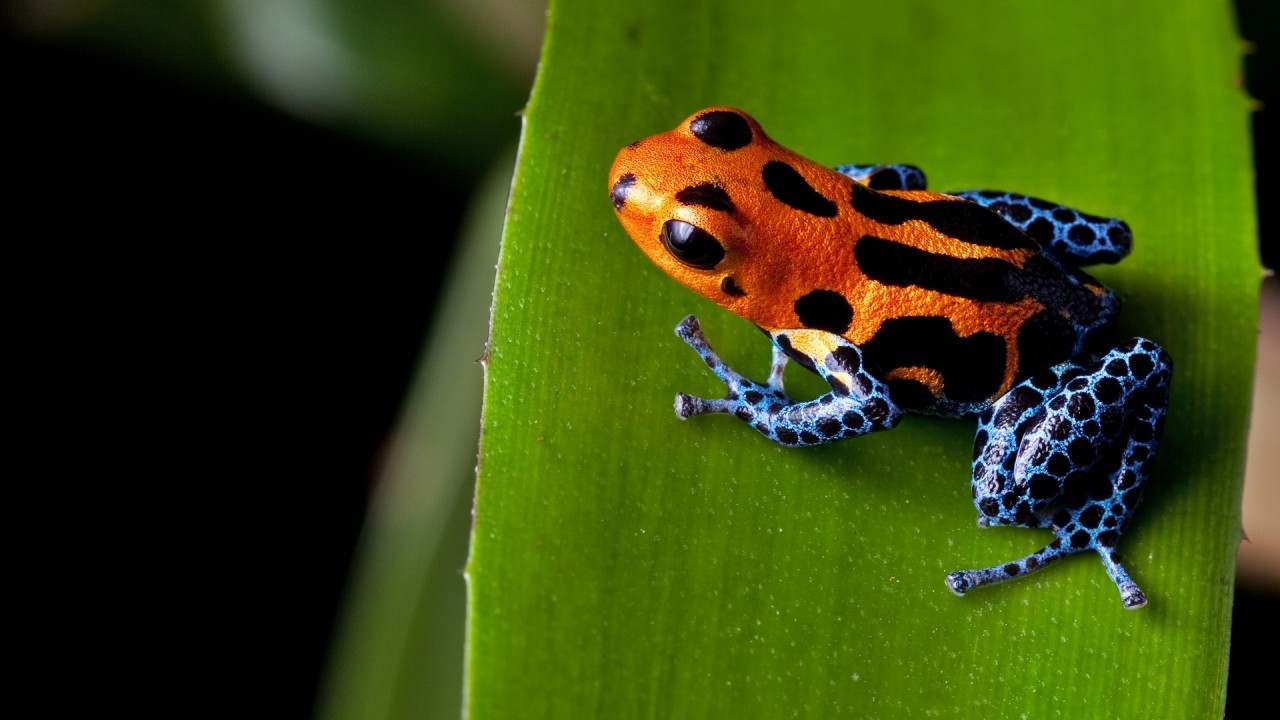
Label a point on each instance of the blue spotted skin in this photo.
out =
(1075, 237)
(1067, 449)
(885, 177)
(857, 404)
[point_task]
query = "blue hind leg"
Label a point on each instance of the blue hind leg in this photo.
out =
(1075, 237)
(1068, 450)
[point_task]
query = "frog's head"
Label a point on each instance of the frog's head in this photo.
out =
(686, 198)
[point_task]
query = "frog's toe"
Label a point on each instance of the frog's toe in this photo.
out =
(690, 330)
(1133, 598)
(687, 406)
(959, 582)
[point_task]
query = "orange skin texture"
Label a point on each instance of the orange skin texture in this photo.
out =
(776, 254)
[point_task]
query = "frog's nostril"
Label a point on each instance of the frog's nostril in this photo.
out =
(621, 189)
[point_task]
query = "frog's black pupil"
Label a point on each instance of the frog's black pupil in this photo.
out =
(691, 245)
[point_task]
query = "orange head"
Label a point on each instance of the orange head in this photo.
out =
(694, 199)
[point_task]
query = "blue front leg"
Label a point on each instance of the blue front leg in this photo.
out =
(1068, 450)
(857, 404)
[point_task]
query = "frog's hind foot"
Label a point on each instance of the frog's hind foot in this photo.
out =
(962, 581)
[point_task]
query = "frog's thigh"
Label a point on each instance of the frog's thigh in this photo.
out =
(1069, 447)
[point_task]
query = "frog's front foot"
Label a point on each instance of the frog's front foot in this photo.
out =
(743, 395)
(857, 404)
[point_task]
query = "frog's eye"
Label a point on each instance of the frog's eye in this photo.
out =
(691, 245)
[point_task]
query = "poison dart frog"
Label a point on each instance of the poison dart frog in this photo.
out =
(966, 304)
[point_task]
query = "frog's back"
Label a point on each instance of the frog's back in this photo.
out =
(954, 332)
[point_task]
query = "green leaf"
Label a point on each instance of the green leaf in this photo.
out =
(626, 564)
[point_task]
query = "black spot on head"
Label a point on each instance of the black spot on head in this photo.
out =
(789, 187)
(729, 287)
(825, 310)
(721, 129)
(706, 195)
(621, 190)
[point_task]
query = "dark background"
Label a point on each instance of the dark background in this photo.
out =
(117, 170)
